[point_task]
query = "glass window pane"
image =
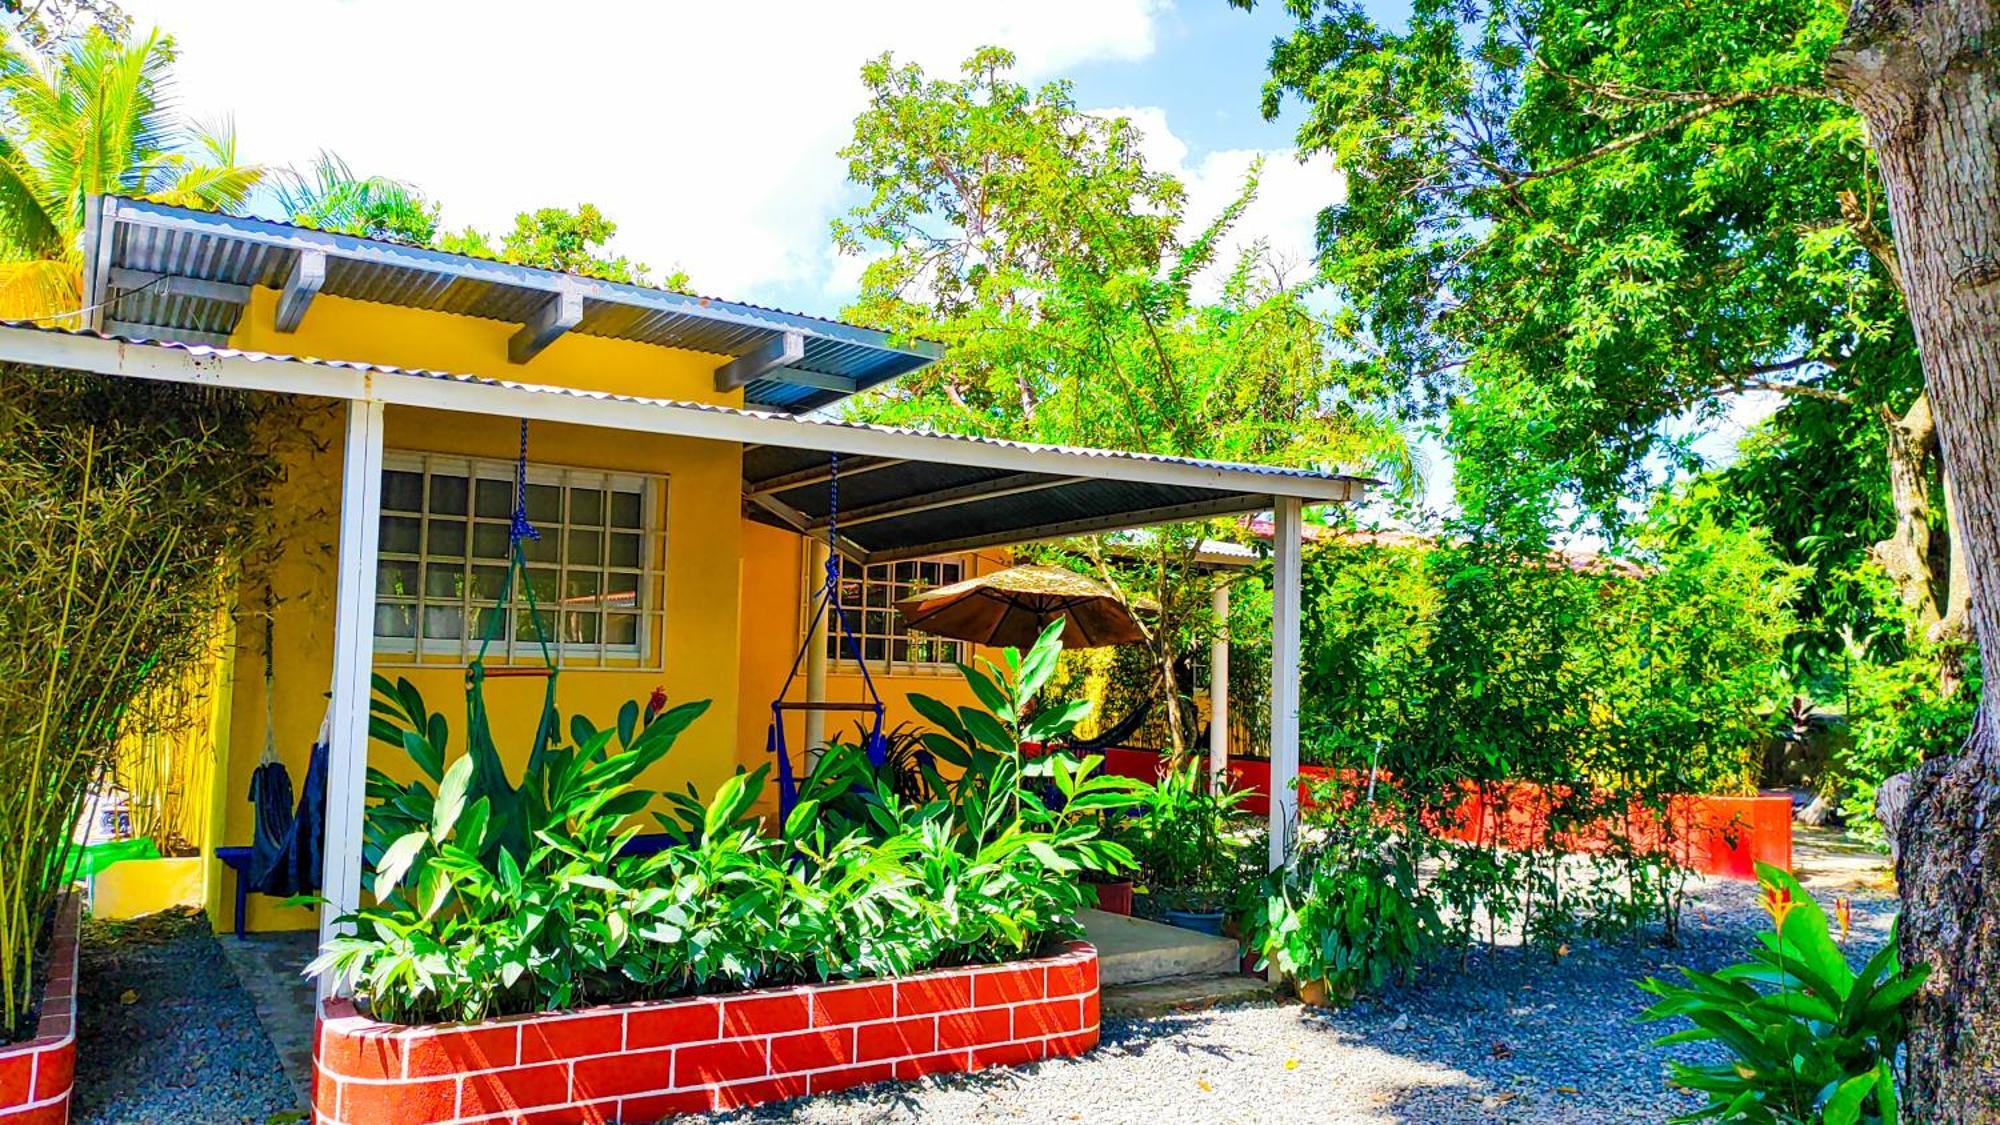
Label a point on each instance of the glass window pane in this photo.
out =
(546, 549)
(395, 620)
(489, 620)
(586, 547)
(402, 491)
(621, 589)
(625, 510)
(544, 504)
(906, 572)
(495, 499)
(396, 579)
(581, 628)
(489, 540)
(444, 582)
(586, 506)
(489, 583)
(581, 588)
(525, 622)
(401, 534)
(448, 495)
(899, 651)
(872, 649)
(444, 624)
(621, 629)
(542, 580)
(447, 540)
(624, 549)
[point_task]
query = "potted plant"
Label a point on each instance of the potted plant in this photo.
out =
(1188, 858)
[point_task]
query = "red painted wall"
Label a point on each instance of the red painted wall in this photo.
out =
(645, 1062)
(1725, 836)
(36, 1076)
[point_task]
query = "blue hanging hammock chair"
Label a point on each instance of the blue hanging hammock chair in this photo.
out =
(826, 603)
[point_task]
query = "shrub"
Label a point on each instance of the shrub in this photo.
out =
(479, 915)
(1811, 1039)
(1188, 857)
(1900, 716)
(1349, 912)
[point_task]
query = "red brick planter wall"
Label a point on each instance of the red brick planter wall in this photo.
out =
(36, 1076)
(637, 1063)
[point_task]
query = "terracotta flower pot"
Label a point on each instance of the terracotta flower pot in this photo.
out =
(1114, 898)
(1315, 993)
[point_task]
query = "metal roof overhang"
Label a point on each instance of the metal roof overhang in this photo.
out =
(903, 494)
(154, 271)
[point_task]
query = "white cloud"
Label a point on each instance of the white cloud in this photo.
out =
(706, 131)
(1290, 194)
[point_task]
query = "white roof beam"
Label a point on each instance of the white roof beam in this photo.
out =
(560, 313)
(1015, 484)
(782, 350)
(301, 286)
(771, 486)
(1192, 512)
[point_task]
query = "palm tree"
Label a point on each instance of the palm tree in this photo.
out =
(328, 196)
(96, 117)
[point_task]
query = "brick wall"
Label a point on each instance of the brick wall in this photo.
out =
(36, 1076)
(638, 1063)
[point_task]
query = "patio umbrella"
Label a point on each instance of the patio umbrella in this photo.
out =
(1011, 608)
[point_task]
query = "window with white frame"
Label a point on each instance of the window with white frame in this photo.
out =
(595, 570)
(869, 595)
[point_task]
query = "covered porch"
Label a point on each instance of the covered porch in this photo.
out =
(902, 495)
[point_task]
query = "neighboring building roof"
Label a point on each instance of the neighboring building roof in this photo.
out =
(903, 493)
(159, 272)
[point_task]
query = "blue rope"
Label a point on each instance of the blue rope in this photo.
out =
(521, 528)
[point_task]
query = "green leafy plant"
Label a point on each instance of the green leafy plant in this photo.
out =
(1349, 914)
(858, 881)
(1188, 855)
(1812, 1039)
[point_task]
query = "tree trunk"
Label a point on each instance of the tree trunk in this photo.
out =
(1906, 553)
(1925, 75)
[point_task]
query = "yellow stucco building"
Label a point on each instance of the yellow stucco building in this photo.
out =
(678, 469)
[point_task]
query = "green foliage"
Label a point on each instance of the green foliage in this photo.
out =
(1580, 227)
(475, 918)
(125, 510)
(329, 196)
(1349, 911)
(94, 115)
(1189, 858)
(1595, 686)
(1812, 1039)
(1900, 716)
(560, 238)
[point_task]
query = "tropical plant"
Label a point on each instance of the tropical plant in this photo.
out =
(1349, 914)
(94, 117)
(327, 195)
(1812, 1039)
(1184, 842)
(474, 918)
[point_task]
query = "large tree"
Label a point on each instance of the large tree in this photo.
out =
(1078, 302)
(1577, 222)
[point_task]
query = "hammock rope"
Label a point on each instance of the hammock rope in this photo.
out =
(826, 603)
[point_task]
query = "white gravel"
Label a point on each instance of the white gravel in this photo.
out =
(1515, 1038)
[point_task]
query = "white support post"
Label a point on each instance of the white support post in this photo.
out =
(353, 657)
(1285, 536)
(815, 652)
(1218, 692)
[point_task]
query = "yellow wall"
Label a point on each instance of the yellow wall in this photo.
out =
(733, 588)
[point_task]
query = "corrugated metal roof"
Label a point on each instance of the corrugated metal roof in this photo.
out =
(905, 503)
(157, 239)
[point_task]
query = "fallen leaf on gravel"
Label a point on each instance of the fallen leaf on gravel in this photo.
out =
(129, 997)
(1402, 1023)
(1502, 1049)
(1570, 1090)
(1291, 1064)
(1206, 1086)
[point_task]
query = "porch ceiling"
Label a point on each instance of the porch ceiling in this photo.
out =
(903, 493)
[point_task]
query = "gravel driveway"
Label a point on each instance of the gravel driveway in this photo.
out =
(1513, 1039)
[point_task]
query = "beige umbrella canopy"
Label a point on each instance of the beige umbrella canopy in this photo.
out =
(1011, 608)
